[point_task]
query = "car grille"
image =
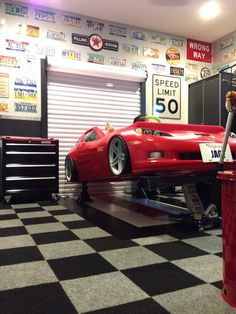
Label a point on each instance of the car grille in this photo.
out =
(190, 156)
(196, 156)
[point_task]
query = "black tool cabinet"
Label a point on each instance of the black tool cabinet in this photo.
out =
(29, 168)
(207, 99)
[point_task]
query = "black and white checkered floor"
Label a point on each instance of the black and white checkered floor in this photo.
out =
(108, 256)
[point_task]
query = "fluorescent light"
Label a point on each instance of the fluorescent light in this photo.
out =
(210, 10)
(109, 84)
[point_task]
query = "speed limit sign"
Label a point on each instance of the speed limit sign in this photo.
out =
(166, 95)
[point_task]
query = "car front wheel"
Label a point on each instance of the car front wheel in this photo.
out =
(118, 156)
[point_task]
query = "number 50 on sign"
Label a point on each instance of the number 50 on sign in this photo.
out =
(166, 95)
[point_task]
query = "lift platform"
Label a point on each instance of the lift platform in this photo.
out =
(197, 193)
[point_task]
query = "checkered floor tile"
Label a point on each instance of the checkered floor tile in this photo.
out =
(62, 257)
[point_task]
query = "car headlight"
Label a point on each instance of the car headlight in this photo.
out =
(155, 133)
(139, 131)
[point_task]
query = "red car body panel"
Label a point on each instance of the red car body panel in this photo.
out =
(176, 143)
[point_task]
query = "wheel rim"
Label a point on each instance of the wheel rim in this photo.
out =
(116, 156)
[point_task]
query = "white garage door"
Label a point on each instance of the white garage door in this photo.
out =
(78, 102)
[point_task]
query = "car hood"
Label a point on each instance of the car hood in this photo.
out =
(182, 131)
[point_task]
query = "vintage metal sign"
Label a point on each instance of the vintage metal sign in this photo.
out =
(192, 67)
(95, 58)
(151, 52)
(199, 51)
(229, 55)
(117, 30)
(8, 61)
(131, 49)
(4, 85)
(191, 77)
(177, 71)
(26, 94)
(28, 30)
(16, 45)
(177, 42)
(95, 42)
(95, 26)
(205, 72)
(110, 45)
(45, 16)
(55, 35)
(80, 39)
(71, 20)
(4, 107)
(20, 29)
(71, 54)
(16, 9)
(25, 81)
(158, 38)
(172, 56)
(139, 65)
(122, 63)
(227, 42)
(138, 35)
(45, 50)
(166, 95)
(32, 30)
(25, 107)
(159, 67)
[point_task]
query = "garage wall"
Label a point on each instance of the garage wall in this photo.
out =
(224, 52)
(78, 102)
(64, 35)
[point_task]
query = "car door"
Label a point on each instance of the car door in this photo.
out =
(90, 157)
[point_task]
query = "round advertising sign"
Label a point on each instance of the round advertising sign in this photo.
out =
(172, 56)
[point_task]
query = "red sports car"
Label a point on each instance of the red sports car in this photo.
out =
(148, 148)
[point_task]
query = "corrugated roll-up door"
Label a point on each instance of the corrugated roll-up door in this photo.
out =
(79, 102)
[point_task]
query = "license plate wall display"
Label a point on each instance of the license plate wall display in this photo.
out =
(20, 87)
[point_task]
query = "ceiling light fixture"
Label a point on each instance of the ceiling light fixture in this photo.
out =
(210, 10)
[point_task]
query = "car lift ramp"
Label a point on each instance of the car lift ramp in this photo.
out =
(165, 207)
(194, 212)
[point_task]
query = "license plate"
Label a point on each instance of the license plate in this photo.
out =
(211, 152)
(16, 45)
(56, 35)
(26, 94)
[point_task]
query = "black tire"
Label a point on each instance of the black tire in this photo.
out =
(118, 156)
(70, 171)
